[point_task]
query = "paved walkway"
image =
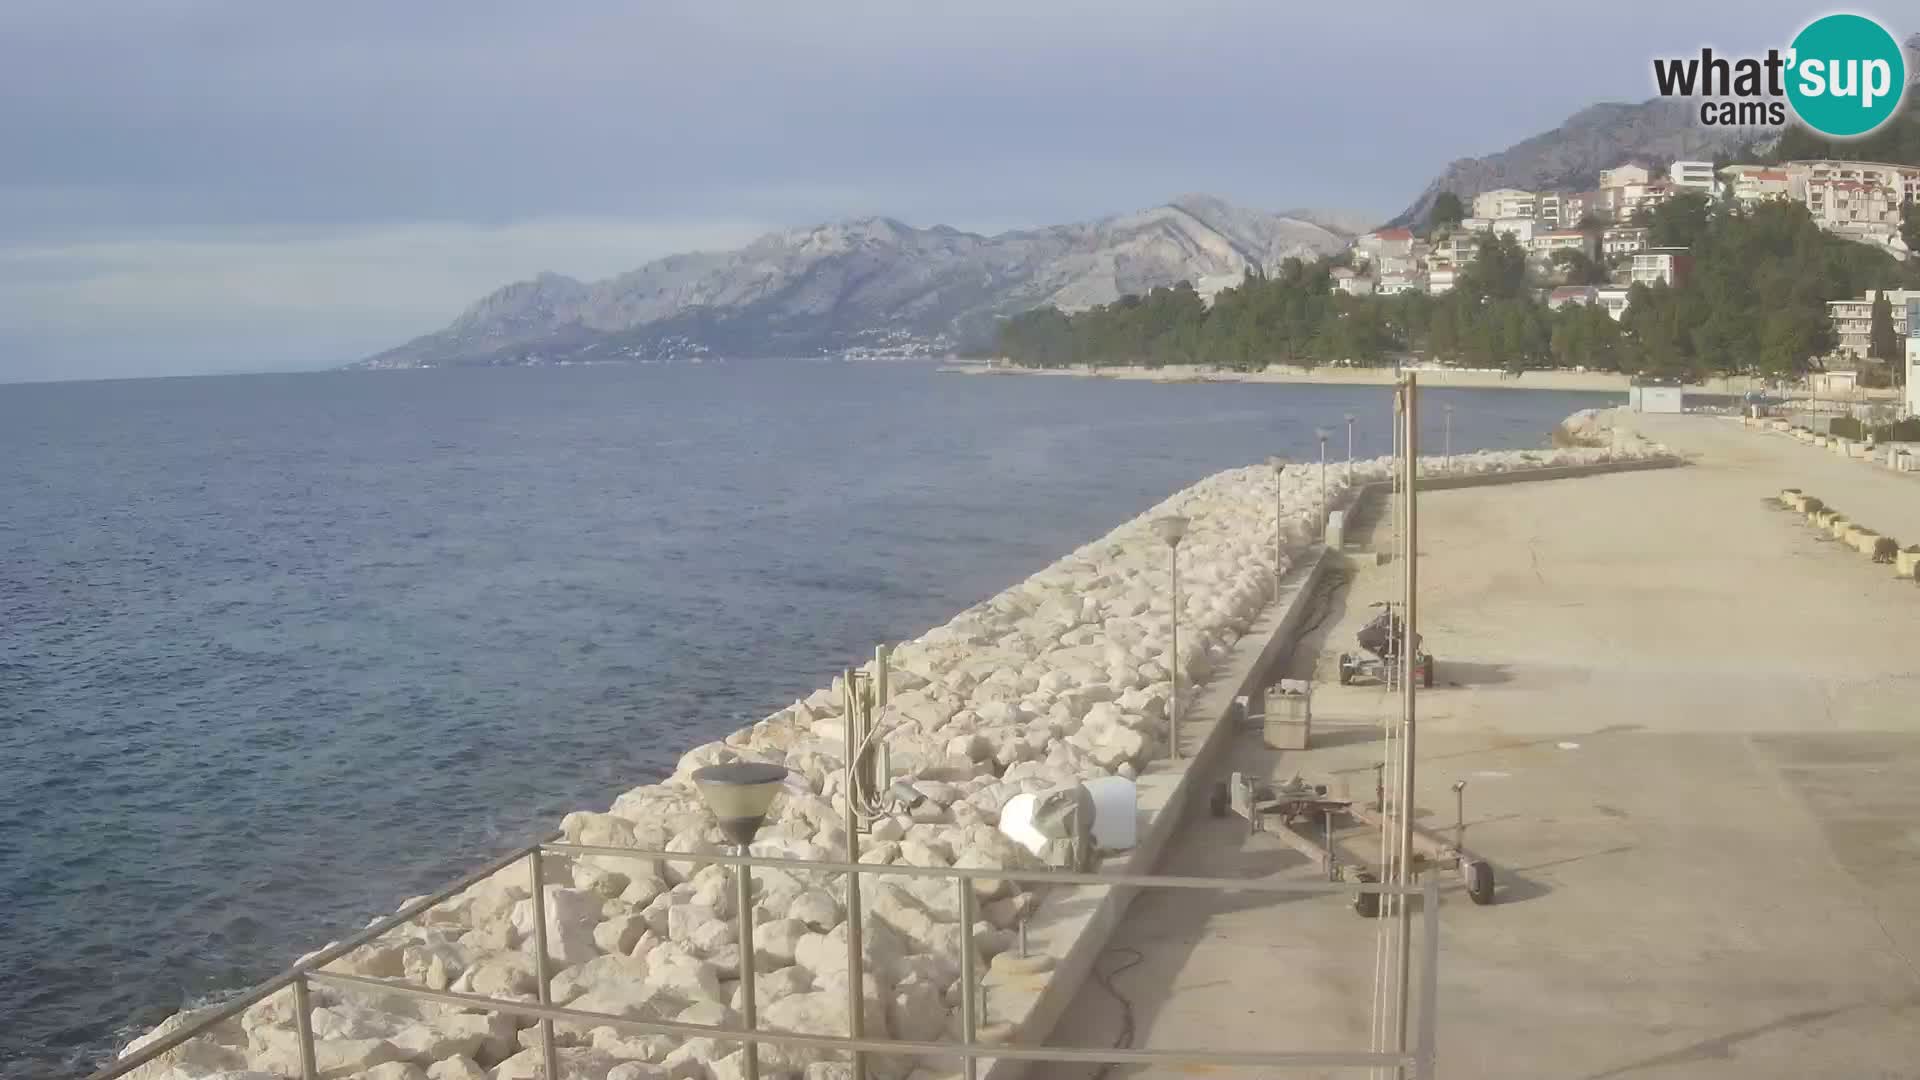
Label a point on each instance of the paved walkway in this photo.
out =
(1689, 734)
(1883, 500)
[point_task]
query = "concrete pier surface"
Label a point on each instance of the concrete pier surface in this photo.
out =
(1688, 729)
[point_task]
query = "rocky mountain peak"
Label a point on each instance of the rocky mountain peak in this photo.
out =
(864, 282)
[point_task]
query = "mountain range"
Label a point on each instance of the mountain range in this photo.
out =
(872, 284)
(876, 285)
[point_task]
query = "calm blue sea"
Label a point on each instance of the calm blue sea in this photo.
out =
(278, 651)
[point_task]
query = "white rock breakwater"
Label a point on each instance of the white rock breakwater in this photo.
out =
(1062, 678)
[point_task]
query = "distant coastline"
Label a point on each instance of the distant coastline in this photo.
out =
(1465, 378)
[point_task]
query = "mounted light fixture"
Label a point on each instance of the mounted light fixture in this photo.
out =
(739, 794)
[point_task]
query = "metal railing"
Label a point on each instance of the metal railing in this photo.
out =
(1416, 1061)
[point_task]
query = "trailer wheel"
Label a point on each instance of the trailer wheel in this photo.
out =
(1346, 669)
(1367, 904)
(1426, 672)
(1479, 874)
(1220, 801)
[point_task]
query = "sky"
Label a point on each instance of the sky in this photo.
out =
(198, 186)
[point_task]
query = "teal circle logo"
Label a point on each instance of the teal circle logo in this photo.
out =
(1846, 75)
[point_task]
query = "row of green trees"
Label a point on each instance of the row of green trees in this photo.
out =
(1754, 302)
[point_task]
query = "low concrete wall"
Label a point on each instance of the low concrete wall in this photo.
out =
(1565, 472)
(1073, 926)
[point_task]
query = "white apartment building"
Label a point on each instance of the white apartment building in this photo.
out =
(1551, 210)
(1546, 243)
(1913, 358)
(1505, 203)
(1383, 244)
(1456, 250)
(1693, 175)
(1396, 264)
(1612, 300)
(1351, 282)
(1904, 179)
(1751, 184)
(1394, 282)
(1853, 204)
(1853, 319)
(1623, 240)
(1440, 280)
(1622, 175)
(1645, 196)
(1661, 266)
(1520, 228)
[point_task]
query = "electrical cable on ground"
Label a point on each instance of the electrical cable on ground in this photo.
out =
(1124, 1040)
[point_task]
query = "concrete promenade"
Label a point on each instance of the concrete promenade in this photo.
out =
(1687, 726)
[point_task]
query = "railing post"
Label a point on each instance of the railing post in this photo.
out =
(1429, 979)
(856, 974)
(549, 1054)
(749, 1010)
(969, 1022)
(303, 1023)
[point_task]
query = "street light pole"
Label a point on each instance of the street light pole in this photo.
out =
(1349, 448)
(739, 794)
(1279, 540)
(1173, 529)
(1448, 410)
(1409, 611)
(1321, 434)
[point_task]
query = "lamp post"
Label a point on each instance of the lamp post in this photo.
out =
(1279, 541)
(1321, 434)
(1447, 410)
(1173, 529)
(1349, 448)
(739, 794)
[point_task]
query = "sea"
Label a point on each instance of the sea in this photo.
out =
(278, 651)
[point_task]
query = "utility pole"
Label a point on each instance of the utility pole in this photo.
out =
(1410, 535)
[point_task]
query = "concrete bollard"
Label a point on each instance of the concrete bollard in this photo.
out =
(1906, 563)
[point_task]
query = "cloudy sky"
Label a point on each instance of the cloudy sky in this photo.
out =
(229, 185)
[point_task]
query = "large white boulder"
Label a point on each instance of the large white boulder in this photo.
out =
(471, 1035)
(458, 1067)
(631, 1046)
(619, 934)
(576, 1063)
(572, 916)
(502, 975)
(817, 908)
(601, 973)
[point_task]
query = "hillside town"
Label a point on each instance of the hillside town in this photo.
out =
(1858, 200)
(1604, 231)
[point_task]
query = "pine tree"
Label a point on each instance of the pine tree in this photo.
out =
(1882, 343)
(1447, 210)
